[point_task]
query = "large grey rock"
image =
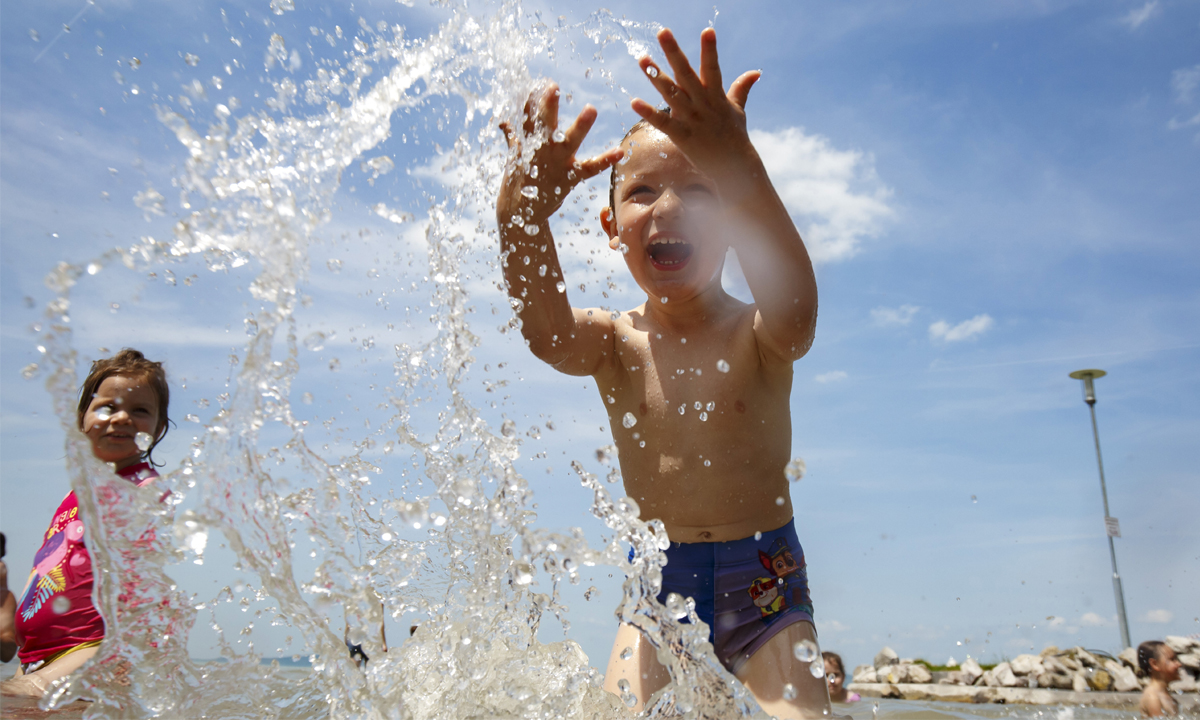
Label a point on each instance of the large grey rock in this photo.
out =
(1190, 660)
(1079, 682)
(1124, 679)
(1181, 645)
(1052, 664)
(893, 674)
(1003, 676)
(1099, 680)
(971, 671)
(886, 656)
(953, 677)
(1085, 657)
(919, 674)
(1185, 684)
(1026, 665)
(1067, 661)
(1129, 657)
(865, 674)
(1059, 681)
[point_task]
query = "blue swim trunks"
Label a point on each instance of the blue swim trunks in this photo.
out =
(746, 590)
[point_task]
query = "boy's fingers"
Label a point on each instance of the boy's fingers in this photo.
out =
(710, 68)
(598, 164)
(508, 136)
(548, 108)
(685, 77)
(665, 86)
(657, 118)
(579, 129)
(739, 91)
(527, 113)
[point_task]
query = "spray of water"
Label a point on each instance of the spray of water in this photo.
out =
(453, 539)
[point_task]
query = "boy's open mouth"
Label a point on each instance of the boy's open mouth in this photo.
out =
(669, 253)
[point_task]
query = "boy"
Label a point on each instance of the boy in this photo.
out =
(696, 383)
(1157, 660)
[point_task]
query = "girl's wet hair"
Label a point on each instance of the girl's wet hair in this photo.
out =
(129, 363)
(829, 656)
(1147, 651)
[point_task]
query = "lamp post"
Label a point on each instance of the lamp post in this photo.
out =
(1111, 526)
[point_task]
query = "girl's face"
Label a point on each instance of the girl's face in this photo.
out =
(834, 677)
(122, 407)
(1166, 665)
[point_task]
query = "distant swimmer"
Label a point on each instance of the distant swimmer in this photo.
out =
(1158, 660)
(835, 678)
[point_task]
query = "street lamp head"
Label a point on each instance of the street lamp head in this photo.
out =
(1089, 390)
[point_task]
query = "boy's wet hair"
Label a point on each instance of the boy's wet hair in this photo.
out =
(1147, 651)
(130, 363)
(612, 177)
(828, 656)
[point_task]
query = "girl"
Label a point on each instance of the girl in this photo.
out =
(1158, 660)
(123, 412)
(835, 677)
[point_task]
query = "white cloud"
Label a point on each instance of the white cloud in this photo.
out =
(1092, 620)
(831, 626)
(832, 376)
(1158, 616)
(1137, 16)
(942, 330)
(1184, 82)
(902, 315)
(834, 195)
(1056, 621)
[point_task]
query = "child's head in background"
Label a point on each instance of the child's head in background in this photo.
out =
(123, 407)
(1157, 660)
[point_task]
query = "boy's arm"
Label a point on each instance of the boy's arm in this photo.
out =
(709, 125)
(565, 337)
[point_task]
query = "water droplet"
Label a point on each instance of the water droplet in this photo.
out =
(611, 400)
(315, 341)
(334, 265)
(676, 606)
(192, 417)
(664, 300)
(191, 59)
(522, 573)
(703, 417)
(604, 455)
(805, 650)
(627, 653)
(683, 409)
(795, 469)
(722, 366)
(307, 398)
(818, 667)
(534, 432)
(708, 463)
(628, 420)
(143, 440)
(789, 692)
(34, 36)
(710, 406)
(652, 71)
(779, 501)
(104, 413)
(758, 536)
(974, 499)
(542, 271)
(529, 191)
(29, 371)
(531, 229)
(61, 605)
(590, 593)
(335, 365)
(508, 428)
(559, 136)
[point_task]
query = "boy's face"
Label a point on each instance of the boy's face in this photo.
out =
(668, 215)
(121, 407)
(1166, 665)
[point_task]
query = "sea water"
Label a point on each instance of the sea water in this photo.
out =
(417, 511)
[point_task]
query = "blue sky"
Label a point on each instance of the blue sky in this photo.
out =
(996, 195)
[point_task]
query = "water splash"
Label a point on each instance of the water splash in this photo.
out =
(454, 540)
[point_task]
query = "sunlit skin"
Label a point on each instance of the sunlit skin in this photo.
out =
(131, 406)
(692, 187)
(1156, 698)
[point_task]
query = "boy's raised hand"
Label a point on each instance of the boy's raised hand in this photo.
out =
(554, 169)
(707, 123)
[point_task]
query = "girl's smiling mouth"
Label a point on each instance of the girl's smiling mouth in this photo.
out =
(669, 252)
